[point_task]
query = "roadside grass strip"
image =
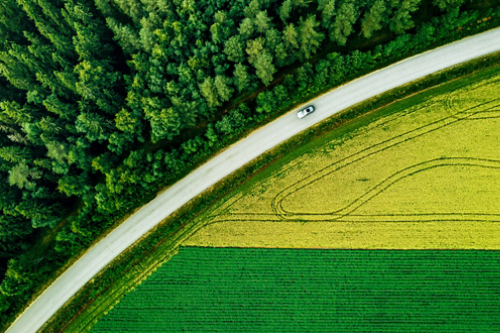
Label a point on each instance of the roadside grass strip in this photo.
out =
(424, 174)
(291, 290)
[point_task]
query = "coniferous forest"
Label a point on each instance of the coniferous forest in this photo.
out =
(103, 102)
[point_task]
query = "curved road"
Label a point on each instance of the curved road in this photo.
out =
(239, 154)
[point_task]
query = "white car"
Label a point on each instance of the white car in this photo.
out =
(304, 112)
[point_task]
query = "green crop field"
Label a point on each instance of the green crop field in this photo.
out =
(292, 290)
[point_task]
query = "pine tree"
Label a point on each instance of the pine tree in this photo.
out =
(56, 151)
(234, 49)
(401, 19)
(49, 23)
(21, 174)
(262, 22)
(273, 38)
(290, 37)
(373, 19)
(133, 9)
(220, 16)
(146, 34)
(285, 10)
(94, 126)
(342, 28)
(241, 79)
(246, 28)
(223, 86)
(97, 80)
(252, 9)
(322, 4)
(208, 90)
(264, 67)
(171, 122)
(281, 55)
(64, 110)
(328, 13)
(309, 38)
(15, 154)
(254, 48)
(15, 112)
(126, 36)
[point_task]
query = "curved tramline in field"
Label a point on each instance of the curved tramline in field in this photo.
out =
(420, 176)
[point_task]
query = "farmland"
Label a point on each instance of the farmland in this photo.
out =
(105, 104)
(423, 174)
(244, 219)
(278, 290)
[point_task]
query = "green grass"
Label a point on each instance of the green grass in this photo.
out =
(285, 290)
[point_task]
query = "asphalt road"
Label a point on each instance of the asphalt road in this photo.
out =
(238, 155)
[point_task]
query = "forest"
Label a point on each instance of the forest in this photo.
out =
(103, 102)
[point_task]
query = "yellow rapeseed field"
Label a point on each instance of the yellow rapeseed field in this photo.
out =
(423, 177)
